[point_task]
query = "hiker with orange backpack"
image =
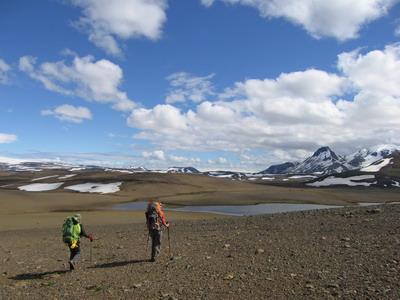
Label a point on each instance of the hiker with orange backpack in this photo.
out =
(155, 220)
(72, 232)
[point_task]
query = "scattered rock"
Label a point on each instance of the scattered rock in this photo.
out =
(226, 246)
(374, 211)
(20, 284)
(260, 251)
(137, 285)
(309, 286)
(229, 276)
(332, 285)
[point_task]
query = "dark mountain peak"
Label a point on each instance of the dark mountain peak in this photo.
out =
(183, 170)
(280, 168)
(322, 150)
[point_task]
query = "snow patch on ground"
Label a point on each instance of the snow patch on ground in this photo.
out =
(119, 171)
(46, 177)
(350, 181)
(76, 169)
(377, 167)
(9, 160)
(101, 188)
(302, 176)
(67, 176)
(40, 187)
(19, 168)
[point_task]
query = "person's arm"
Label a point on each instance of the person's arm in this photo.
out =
(83, 233)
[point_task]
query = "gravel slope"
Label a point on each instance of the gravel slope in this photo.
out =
(351, 253)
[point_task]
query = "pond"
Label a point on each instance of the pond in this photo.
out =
(232, 210)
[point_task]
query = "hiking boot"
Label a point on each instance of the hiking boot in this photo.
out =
(71, 266)
(152, 259)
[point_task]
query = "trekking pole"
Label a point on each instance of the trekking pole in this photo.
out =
(91, 249)
(169, 243)
(148, 237)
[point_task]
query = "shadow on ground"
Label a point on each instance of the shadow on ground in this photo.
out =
(29, 276)
(120, 263)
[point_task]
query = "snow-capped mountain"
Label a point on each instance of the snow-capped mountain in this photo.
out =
(366, 157)
(226, 174)
(323, 161)
(285, 168)
(20, 166)
(186, 170)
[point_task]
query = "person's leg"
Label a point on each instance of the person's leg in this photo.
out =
(157, 243)
(74, 256)
(153, 243)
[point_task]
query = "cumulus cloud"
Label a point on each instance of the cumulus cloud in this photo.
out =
(186, 87)
(159, 118)
(4, 69)
(207, 3)
(340, 19)
(84, 77)
(155, 155)
(69, 113)
(218, 161)
(291, 115)
(6, 138)
(376, 72)
(184, 159)
(107, 21)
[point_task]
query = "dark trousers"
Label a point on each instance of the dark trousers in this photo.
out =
(155, 242)
(74, 253)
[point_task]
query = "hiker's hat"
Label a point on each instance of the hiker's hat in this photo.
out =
(77, 217)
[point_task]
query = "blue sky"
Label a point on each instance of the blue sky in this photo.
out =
(225, 84)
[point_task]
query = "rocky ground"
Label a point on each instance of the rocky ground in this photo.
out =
(351, 253)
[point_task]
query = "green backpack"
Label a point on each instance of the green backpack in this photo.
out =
(67, 230)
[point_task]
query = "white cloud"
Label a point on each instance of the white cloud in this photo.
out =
(84, 77)
(7, 138)
(159, 118)
(69, 113)
(4, 69)
(340, 19)
(377, 71)
(183, 159)
(218, 161)
(207, 3)
(106, 21)
(186, 87)
(290, 115)
(156, 155)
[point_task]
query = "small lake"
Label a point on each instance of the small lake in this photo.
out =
(232, 210)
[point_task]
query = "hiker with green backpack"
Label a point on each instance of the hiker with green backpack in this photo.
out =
(72, 231)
